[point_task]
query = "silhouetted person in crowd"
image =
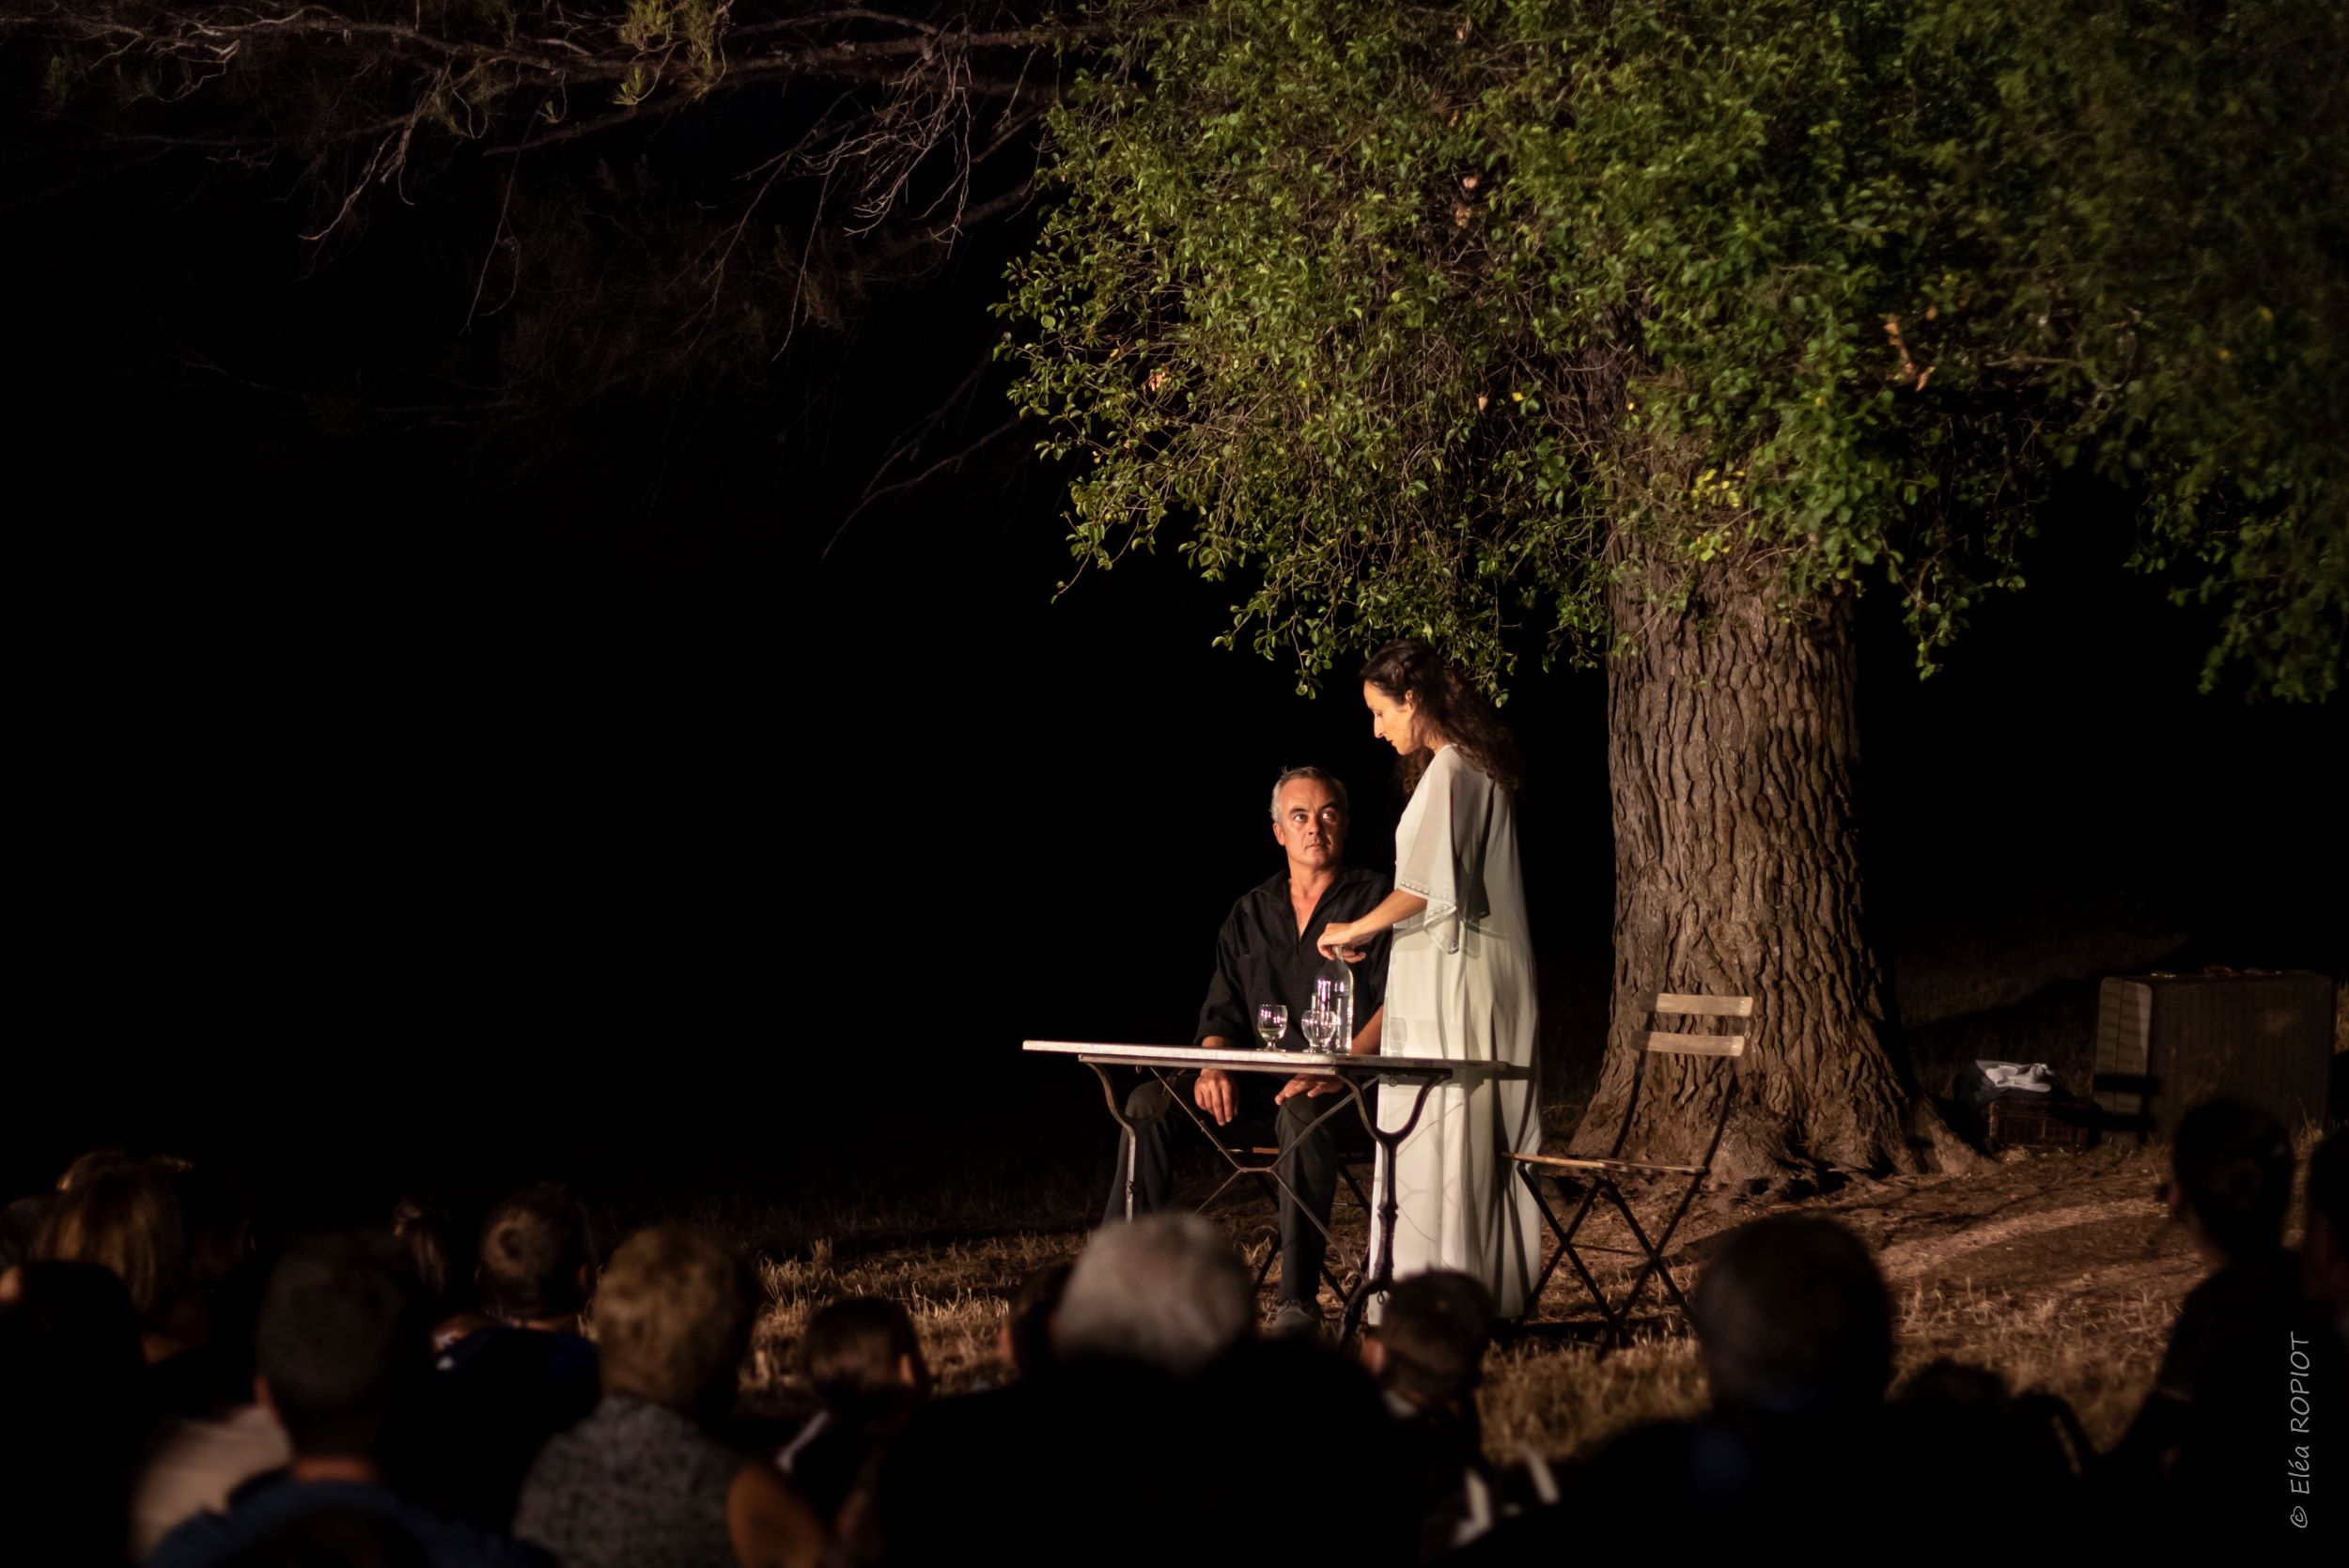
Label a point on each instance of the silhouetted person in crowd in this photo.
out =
(2324, 1246)
(126, 1218)
(1103, 1461)
(1025, 1339)
(642, 1483)
(1119, 1421)
(1165, 1290)
(181, 1240)
(863, 1361)
(1323, 1472)
(1795, 1335)
(212, 1434)
(501, 1391)
(1427, 1356)
(2212, 1439)
(73, 1404)
(443, 1261)
(1947, 1416)
(342, 1363)
(537, 1261)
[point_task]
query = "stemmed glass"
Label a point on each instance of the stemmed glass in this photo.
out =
(1320, 1025)
(1273, 1021)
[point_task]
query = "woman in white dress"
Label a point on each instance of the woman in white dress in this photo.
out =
(1459, 977)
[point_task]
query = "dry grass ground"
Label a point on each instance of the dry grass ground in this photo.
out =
(2057, 1271)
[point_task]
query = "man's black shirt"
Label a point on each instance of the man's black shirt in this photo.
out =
(1260, 957)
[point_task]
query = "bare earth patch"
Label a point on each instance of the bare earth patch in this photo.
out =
(2057, 1271)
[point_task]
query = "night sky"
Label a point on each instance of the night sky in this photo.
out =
(397, 804)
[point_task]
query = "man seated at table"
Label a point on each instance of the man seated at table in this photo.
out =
(1266, 954)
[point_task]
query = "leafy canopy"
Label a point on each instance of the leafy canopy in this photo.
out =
(1450, 321)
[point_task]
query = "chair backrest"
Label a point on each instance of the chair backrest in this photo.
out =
(1685, 1004)
(1666, 1042)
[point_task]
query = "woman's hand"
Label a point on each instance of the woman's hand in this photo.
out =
(1337, 940)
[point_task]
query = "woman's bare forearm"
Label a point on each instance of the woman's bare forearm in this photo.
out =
(1344, 938)
(1392, 911)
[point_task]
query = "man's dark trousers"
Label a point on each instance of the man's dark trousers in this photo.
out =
(1309, 1164)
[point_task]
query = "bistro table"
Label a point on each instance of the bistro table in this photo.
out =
(1352, 1074)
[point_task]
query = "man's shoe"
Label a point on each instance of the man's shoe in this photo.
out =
(1294, 1320)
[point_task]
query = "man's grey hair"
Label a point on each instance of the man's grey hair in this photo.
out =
(1165, 1290)
(1337, 787)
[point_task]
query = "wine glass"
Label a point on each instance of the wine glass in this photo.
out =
(1273, 1021)
(1320, 1025)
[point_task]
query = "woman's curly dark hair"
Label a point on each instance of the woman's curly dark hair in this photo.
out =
(1446, 702)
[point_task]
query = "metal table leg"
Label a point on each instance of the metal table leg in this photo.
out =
(1390, 1205)
(1133, 1137)
(1241, 1168)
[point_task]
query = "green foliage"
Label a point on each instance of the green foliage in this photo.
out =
(1445, 321)
(2190, 164)
(1248, 315)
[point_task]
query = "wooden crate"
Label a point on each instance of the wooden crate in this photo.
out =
(2164, 1043)
(2040, 1122)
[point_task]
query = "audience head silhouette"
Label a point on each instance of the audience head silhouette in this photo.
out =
(1027, 1336)
(2231, 1165)
(429, 1232)
(125, 1217)
(1166, 1290)
(862, 1345)
(1791, 1316)
(672, 1320)
(340, 1350)
(538, 1258)
(1430, 1343)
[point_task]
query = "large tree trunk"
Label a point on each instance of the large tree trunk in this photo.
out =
(1732, 754)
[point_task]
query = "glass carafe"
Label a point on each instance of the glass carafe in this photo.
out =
(1333, 993)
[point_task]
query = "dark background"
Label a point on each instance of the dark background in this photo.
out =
(400, 804)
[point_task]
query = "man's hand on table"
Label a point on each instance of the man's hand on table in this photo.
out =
(1312, 1088)
(1213, 1095)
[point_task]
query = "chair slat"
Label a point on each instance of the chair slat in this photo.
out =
(1696, 1045)
(1711, 1007)
(1573, 1162)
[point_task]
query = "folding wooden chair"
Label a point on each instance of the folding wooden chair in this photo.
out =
(1598, 1178)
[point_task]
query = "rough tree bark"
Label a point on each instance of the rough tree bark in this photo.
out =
(1732, 753)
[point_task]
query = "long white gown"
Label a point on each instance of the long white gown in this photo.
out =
(1460, 983)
